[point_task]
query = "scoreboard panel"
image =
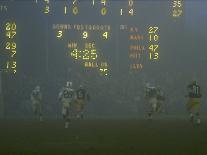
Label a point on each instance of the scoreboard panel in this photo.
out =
(101, 36)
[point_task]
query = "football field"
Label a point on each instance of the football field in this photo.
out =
(103, 137)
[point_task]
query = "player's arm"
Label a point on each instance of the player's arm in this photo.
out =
(40, 97)
(200, 94)
(31, 96)
(88, 97)
(75, 96)
(60, 96)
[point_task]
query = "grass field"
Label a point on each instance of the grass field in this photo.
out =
(103, 137)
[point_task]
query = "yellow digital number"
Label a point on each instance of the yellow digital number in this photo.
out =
(121, 12)
(65, 9)
(74, 54)
(14, 65)
(75, 10)
(105, 35)
(103, 2)
(59, 34)
(12, 46)
(86, 55)
(14, 71)
(104, 11)
(93, 54)
(153, 29)
(153, 48)
(131, 12)
(131, 3)
(11, 26)
(47, 1)
(13, 53)
(47, 9)
(104, 71)
(153, 37)
(177, 3)
(154, 56)
(74, 1)
(85, 35)
(11, 34)
(7, 65)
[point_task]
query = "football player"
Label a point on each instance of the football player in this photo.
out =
(193, 103)
(36, 99)
(81, 98)
(66, 98)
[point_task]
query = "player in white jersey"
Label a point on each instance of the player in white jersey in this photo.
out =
(36, 99)
(66, 98)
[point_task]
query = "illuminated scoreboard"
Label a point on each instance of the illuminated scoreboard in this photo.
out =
(101, 36)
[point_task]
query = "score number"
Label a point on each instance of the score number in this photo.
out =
(11, 46)
(154, 46)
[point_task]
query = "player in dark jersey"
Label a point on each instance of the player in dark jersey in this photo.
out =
(81, 98)
(193, 103)
(150, 97)
(160, 100)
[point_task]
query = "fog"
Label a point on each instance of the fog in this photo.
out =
(42, 60)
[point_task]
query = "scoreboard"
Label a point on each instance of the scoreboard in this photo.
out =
(101, 36)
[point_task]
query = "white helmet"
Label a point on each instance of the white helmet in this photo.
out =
(69, 84)
(37, 88)
(147, 85)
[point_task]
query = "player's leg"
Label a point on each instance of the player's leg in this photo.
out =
(150, 115)
(67, 118)
(160, 106)
(196, 110)
(34, 107)
(198, 120)
(82, 109)
(149, 110)
(78, 109)
(190, 110)
(64, 114)
(154, 105)
(40, 112)
(191, 115)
